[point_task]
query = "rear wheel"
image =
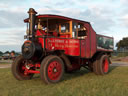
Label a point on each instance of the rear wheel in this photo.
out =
(101, 65)
(19, 69)
(52, 69)
(104, 65)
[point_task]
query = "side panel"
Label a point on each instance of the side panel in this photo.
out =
(93, 41)
(85, 49)
(40, 40)
(69, 46)
(104, 43)
(88, 45)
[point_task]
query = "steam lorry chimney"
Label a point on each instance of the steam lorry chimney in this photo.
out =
(31, 49)
(32, 18)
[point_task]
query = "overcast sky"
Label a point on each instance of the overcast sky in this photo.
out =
(108, 17)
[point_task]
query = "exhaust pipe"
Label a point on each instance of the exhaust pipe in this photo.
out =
(32, 19)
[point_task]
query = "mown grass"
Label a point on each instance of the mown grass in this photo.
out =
(80, 83)
(5, 61)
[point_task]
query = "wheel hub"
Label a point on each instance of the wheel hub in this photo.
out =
(54, 70)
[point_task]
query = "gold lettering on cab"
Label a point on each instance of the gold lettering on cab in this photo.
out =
(61, 43)
(73, 41)
(56, 40)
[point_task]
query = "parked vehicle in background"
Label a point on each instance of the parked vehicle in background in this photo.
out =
(57, 44)
(6, 56)
(9, 56)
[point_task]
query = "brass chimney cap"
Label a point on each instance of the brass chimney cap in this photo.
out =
(32, 11)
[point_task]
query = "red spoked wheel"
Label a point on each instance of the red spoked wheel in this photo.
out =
(105, 65)
(101, 65)
(20, 69)
(52, 69)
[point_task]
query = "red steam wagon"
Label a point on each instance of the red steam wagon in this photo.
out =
(57, 44)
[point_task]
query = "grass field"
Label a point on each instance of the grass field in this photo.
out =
(5, 61)
(80, 83)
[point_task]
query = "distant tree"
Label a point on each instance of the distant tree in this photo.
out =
(1, 53)
(6, 52)
(122, 44)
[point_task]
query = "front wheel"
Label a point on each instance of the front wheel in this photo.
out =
(20, 67)
(52, 69)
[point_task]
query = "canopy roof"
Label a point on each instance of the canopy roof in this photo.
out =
(51, 16)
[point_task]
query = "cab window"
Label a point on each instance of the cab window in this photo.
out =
(74, 30)
(79, 31)
(82, 31)
(65, 28)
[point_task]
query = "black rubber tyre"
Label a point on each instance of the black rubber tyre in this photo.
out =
(104, 65)
(52, 69)
(101, 65)
(17, 69)
(95, 67)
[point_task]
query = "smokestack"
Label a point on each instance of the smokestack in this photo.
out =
(32, 18)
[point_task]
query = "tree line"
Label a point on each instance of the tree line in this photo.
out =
(122, 45)
(6, 52)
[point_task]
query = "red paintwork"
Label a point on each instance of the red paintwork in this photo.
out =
(105, 65)
(87, 41)
(26, 71)
(32, 71)
(65, 36)
(40, 40)
(57, 16)
(88, 45)
(84, 48)
(22, 69)
(55, 34)
(69, 46)
(37, 65)
(54, 70)
(92, 41)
